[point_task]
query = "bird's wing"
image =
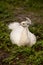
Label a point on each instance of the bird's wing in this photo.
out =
(13, 25)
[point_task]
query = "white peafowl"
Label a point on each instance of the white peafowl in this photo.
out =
(20, 34)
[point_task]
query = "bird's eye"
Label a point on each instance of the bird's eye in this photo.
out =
(27, 23)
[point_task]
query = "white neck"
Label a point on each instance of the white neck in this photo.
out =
(26, 28)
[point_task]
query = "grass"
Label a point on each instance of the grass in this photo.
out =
(10, 11)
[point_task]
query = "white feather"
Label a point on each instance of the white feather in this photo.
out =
(13, 25)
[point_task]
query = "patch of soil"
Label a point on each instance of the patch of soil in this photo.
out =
(3, 55)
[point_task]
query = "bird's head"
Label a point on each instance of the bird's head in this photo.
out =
(26, 23)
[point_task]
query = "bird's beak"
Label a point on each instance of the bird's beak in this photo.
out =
(29, 23)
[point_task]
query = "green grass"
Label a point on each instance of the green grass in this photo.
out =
(12, 54)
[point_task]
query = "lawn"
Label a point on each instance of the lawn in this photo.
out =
(17, 10)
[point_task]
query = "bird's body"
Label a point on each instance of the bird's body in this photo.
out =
(19, 36)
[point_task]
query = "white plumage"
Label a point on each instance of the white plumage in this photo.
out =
(13, 25)
(20, 34)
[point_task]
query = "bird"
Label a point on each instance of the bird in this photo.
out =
(20, 34)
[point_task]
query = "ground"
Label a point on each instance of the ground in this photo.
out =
(14, 10)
